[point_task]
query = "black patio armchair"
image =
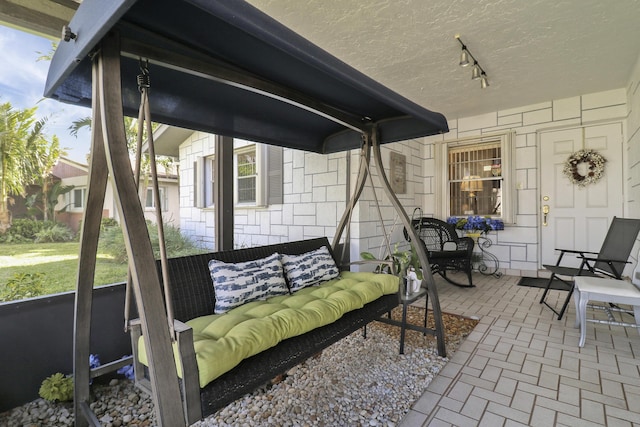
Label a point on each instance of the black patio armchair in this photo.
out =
(445, 249)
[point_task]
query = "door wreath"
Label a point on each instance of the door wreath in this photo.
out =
(594, 167)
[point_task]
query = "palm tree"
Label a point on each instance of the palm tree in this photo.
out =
(131, 133)
(47, 157)
(24, 154)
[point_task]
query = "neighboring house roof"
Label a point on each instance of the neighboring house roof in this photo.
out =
(167, 139)
(67, 168)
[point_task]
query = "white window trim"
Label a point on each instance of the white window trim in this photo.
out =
(72, 199)
(164, 202)
(203, 185)
(264, 177)
(260, 176)
(442, 196)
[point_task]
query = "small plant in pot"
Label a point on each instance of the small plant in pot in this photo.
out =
(406, 264)
(57, 388)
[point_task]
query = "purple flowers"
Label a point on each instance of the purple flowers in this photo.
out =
(476, 223)
(127, 371)
(94, 361)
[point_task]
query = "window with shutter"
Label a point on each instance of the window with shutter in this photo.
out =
(275, 189)
(246, 176)
(258, 176)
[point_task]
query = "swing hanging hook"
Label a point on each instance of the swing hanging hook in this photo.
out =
(144, 80)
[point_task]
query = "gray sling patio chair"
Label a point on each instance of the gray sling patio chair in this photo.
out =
(608, 262)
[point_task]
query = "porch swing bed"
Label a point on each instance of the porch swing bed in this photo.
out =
(221, 67)
(317, 311)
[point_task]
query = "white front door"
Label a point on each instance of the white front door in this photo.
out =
(578, 217)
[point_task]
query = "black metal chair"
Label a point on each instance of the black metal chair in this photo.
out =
(609, 262)
(445, 249)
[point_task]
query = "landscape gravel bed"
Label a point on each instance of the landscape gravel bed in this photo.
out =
(356, 381)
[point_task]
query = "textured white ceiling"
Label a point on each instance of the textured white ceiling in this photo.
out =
(531, 50)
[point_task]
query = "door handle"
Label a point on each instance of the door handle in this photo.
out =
(545, 212)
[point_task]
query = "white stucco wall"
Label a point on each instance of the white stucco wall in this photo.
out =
(633, 142)
(315, 185)
(315, 196)
(170, 215)
(633, 146)
(81, 182)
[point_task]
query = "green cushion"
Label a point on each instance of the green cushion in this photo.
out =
(222, 341)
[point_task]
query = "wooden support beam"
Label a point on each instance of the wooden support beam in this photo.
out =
(427, 280)
(90, 233)
(144, 274)
(370, 145)
(223, 193)
(365, 158)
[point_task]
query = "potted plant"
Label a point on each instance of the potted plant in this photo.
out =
(406, 265)
(475, 225)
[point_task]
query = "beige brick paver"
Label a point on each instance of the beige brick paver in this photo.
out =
(564, 420)
(509, 412)
(506, 386)
(451, 404)
(557, 406)
(491, 396)
(569, 394)
(491, 420)
(455, 418)
(613, 412)
(523, 401)
(474, 407)
(542, 417)
(522, 367)
(592, 411)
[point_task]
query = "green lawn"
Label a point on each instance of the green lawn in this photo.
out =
(58, 262)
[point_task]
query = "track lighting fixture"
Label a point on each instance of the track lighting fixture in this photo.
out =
(477, 72)
(484, 83)
(464, 57)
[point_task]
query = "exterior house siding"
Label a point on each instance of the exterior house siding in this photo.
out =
(76, 174)
(315, 191)
(633, 144)
(315, 186)
(517, 247)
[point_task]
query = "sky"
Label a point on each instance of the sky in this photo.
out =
(22, 80)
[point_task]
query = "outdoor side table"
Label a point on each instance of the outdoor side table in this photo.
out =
(604, 290)
(406, 299)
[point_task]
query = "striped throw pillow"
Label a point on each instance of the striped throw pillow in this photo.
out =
(308, 269)
(239, 283)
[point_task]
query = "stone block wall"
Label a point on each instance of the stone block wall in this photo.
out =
(316, 187)
(518, 245)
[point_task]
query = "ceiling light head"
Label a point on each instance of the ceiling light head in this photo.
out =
(484, 83)
(475, 73)
(464, 57)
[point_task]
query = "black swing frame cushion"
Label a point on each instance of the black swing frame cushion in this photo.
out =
(445, 249)
(610, 261)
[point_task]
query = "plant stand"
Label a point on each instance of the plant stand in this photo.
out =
(488, 263)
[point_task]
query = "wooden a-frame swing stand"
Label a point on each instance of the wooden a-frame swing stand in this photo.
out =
(110, 160)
